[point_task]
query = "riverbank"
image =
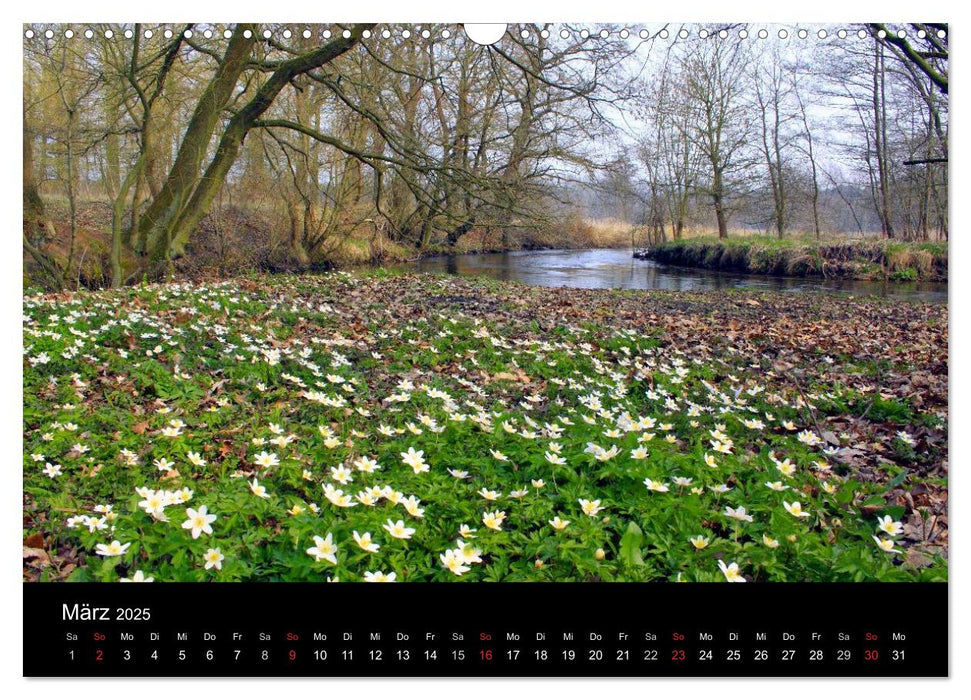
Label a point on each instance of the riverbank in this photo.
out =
(614, 268)
(248, 239)
(877, 259)
(573, 233)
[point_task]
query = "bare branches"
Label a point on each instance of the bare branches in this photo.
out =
(435, 139)
(932, 63)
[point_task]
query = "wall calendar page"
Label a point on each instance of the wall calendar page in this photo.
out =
(553, 330)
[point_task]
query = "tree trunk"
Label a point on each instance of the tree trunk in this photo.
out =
(117, 215)
(112, 151)
(880, 141)
(155, 226)
(718, 199)
(37, 228)
(298, 225)
(720, 217)
(780, 188)
(814, 195)
(170, 228)
(71, 194)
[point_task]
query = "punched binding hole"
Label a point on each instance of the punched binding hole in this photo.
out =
(485, 34)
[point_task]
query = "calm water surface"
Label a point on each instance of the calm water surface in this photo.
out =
(618, 269)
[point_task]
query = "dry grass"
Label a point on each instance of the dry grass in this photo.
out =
(805, 236)
(366, 248)
(571, 232)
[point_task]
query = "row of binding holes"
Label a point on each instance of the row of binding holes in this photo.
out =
(524, 33)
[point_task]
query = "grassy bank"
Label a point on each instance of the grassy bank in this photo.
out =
(425, 428)
(865, 259)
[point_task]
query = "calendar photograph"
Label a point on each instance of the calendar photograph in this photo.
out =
(433, 303)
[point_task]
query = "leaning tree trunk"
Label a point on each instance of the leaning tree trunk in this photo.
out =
(167, 232)
(155, 227)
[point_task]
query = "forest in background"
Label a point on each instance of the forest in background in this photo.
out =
(150, 150)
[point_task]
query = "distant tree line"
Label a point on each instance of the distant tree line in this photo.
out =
(735, 130)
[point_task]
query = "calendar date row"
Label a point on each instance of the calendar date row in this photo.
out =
(404, 655)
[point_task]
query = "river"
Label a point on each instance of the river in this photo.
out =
(618, 269)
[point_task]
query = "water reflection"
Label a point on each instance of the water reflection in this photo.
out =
(617, 269)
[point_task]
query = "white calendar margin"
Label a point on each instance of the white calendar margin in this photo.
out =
(831, 12)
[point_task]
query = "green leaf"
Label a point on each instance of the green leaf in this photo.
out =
(898, 480)
(895, 512)
(79, 575)
(630, 546)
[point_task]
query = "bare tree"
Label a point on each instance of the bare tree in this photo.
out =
(773, 94)
(807, 147)
(715, 72)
